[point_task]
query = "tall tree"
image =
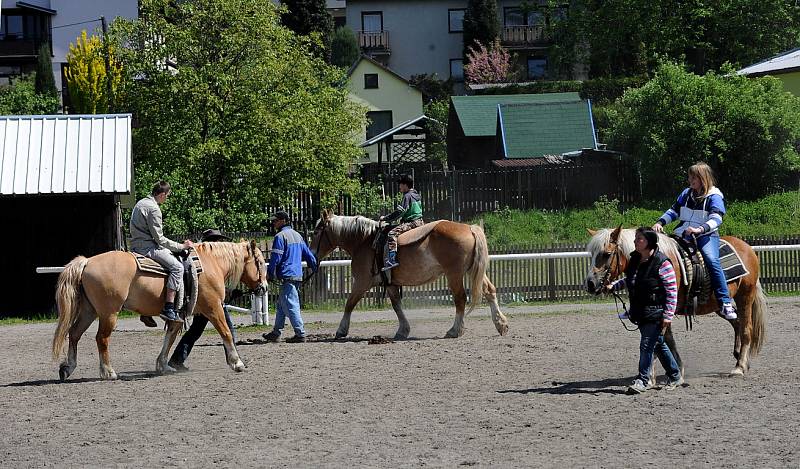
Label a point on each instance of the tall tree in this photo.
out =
(45, 82)
(628, 37)
(87, 77)
(310, 18)
(233, 110)
(480, 24)
(344, 47)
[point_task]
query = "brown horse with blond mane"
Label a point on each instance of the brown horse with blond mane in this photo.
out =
(447, 248)
(610, 249)
(102, 285)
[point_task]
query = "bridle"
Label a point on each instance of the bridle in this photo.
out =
(254, 259)
(323, 227)
(607, 281)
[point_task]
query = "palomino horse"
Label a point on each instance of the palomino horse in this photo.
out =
(425, 253)
(610, 250)
(102, 285)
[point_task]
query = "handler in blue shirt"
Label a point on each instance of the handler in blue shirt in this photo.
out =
(288, 251)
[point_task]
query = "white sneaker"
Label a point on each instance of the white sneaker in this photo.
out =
(673, 384)
(728, 312)
(637, 387)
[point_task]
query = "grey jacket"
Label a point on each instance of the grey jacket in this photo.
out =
(146, 231)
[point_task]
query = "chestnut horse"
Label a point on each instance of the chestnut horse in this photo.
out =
(439, 248)
(610, 250)
(102, 285)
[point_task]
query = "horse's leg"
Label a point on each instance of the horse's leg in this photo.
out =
(217, 319)
(352, 301)
(173, 328)
(669, 339)
(742, 329)
(108, 321)
(456, 284)
(404, 328)
(490, 294)
(85, 320)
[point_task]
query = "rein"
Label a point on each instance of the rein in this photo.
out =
(617, 297)
(316, 251)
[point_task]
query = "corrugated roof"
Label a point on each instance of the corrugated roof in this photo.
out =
(65, 154)
(785, 62)
(388, 133)
(478, 114)
(529, 130)
(546, 160)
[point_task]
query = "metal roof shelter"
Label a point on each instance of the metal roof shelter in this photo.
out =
(69, 154)
(61, 179)
(788, 61)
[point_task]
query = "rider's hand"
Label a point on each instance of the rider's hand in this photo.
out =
(658, 228)
(608, 288)
(188, 244)
(381, 218)
(693, 230)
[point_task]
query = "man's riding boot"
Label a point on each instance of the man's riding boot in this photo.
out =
(391, 261)
(169, 315)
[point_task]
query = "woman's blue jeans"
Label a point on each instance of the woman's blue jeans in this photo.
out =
(653, 342)
(289, 306)
(709, 246)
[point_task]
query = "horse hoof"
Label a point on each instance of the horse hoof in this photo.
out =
(339, 335)
(451, 335)
(63, 373)
(238, 367)
(502, 329)
(736, 372)
(399, 336)
(109, 376)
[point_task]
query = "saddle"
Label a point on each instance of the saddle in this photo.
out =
(184, 303)
(695, 275)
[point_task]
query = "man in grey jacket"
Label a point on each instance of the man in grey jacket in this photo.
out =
(148, 239)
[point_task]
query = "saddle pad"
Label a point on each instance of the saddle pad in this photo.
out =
(730, 261)
(146, 264)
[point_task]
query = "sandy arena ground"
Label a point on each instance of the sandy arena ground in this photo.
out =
(549, 394)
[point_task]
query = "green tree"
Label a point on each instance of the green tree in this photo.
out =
(87, 76)
(45, 83)
(480, 24)
(233, 110)
(746, 129)
(21, 98)
(344, 47)
(437, 130)
(310, 18)
(432, 88)
(629, 37)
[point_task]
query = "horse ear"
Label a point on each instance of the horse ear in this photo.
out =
(253, 246)
(591, 231)
(328, 215)
(615, 234)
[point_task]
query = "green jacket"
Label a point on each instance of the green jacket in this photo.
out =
(409, 210)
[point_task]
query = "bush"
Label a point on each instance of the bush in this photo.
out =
(20, 98)
(600, 90)
(745, 129)
(344, 47)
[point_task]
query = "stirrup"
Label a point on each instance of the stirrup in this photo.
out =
(389, 265)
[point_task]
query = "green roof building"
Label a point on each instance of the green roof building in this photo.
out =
(489, 127)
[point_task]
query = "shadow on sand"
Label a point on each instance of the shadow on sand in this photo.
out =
(606, 386)
(130, 376)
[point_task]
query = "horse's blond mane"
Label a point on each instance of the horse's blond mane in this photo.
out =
(230, 255)
(355, 228)
(598, 243)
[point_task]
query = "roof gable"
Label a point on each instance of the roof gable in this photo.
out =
(368, 62)
(529, 130)
(782, 63)
(478, 114)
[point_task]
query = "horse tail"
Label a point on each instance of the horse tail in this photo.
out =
(480, 262)
(68, 298)
(758, 333)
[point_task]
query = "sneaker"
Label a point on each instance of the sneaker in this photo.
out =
(728, 312)
(297, 339)
(673, 384)
(148, 321)
(170, 315)
(637, 387)
(271, 336)
(390, 264)
(180, 367)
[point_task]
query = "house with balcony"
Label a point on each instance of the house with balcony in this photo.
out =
(414, 37)
(25, 25)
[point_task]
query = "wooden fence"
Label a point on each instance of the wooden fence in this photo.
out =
(530, 280)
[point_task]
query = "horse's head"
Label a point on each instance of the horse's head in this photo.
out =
(608, 258)
(322, 243)
(254, 271)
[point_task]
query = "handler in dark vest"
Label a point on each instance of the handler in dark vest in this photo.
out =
(148, 239)
(650, 280)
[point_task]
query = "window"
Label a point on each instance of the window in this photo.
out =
(457, 70)
(379, 121)
(514, 16)
(537, 66)
(370, 81)
(456, 20)
(12, 27)
(372, 21)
